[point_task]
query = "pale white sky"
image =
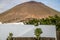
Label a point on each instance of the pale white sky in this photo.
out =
(8, 4)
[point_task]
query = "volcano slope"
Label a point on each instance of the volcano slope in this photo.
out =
(27, 10)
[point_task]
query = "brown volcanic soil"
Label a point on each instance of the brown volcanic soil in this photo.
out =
(27, 10)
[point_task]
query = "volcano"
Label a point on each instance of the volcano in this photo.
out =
(27, 10)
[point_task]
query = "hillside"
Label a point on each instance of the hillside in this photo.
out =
(27, 10)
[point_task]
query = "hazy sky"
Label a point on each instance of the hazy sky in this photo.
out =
(7, 4)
